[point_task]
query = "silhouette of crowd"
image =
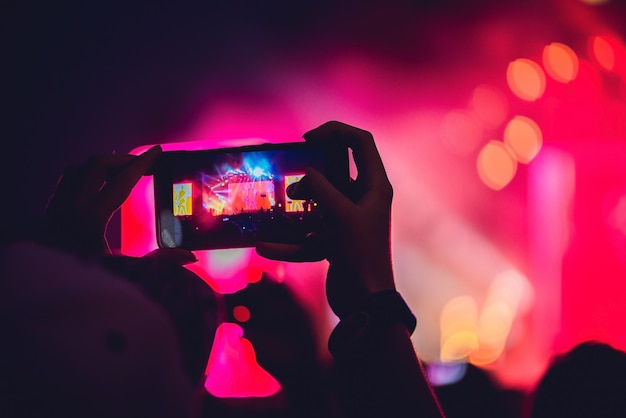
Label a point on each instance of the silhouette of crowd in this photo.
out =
(89, 332)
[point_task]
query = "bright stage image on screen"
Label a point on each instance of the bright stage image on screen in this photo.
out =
(234, 199)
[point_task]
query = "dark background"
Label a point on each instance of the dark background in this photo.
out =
(82, 78)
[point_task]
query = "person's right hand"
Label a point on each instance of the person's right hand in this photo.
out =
(356, 239)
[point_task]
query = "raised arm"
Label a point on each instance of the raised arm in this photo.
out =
(378, 373)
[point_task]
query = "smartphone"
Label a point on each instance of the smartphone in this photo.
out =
(235, 197)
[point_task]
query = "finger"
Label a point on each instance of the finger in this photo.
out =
(65, 191)
(93, 177)
(178, 256)
(290, 252)
(322, 191)
(100, 169)
(144, 162)
(79, 184)
(364, 151)
(118, 188)
(299, 191)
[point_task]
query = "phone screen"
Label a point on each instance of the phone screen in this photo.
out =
(235, 197)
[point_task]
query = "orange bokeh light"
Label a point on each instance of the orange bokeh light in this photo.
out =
(523, 136)
(560, 62)
(603, 52)
(458, 346)
(526, 79)
(496, 166)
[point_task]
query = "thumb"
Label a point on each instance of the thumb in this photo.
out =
(330, 199)
(177, 256)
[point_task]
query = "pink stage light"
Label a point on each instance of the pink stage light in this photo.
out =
(232, 370)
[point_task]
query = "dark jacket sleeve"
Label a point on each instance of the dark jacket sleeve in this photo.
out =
(377, 372)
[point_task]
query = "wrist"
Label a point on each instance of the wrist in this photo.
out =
(381, 310)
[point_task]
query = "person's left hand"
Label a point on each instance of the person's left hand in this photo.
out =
(86, 197)
(75, 221)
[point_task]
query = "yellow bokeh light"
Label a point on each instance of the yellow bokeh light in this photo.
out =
(458, 346)
(458, 320)
(479, 336)
(523, 136)
(458, 314)
(496, 167)
(560, 62)
(603, 52)
(526, 79)
(495, 323)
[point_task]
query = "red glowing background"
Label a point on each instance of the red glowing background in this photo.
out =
(509, 224)
(502, 126)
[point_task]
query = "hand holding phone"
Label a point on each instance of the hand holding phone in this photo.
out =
(86, 197)
(357, 222)
(236, 197)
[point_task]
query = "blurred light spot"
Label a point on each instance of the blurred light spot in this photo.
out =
(496, 167)
(458, 346)
(509, 286)
(617, 218)
(560, 62)
(280, 272)
(526, 79)
(458, 314)
(622, 90)
(496, 319)
(523, 136)
(603, 52)
(486, 355)
(494, 323)
(441, 374)
(594, 2)
(461, 131)
(227, 271)
(241, 313)
(457, 323)
(481, 339)
(490, 105)
(232, 370)
(223, 262)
